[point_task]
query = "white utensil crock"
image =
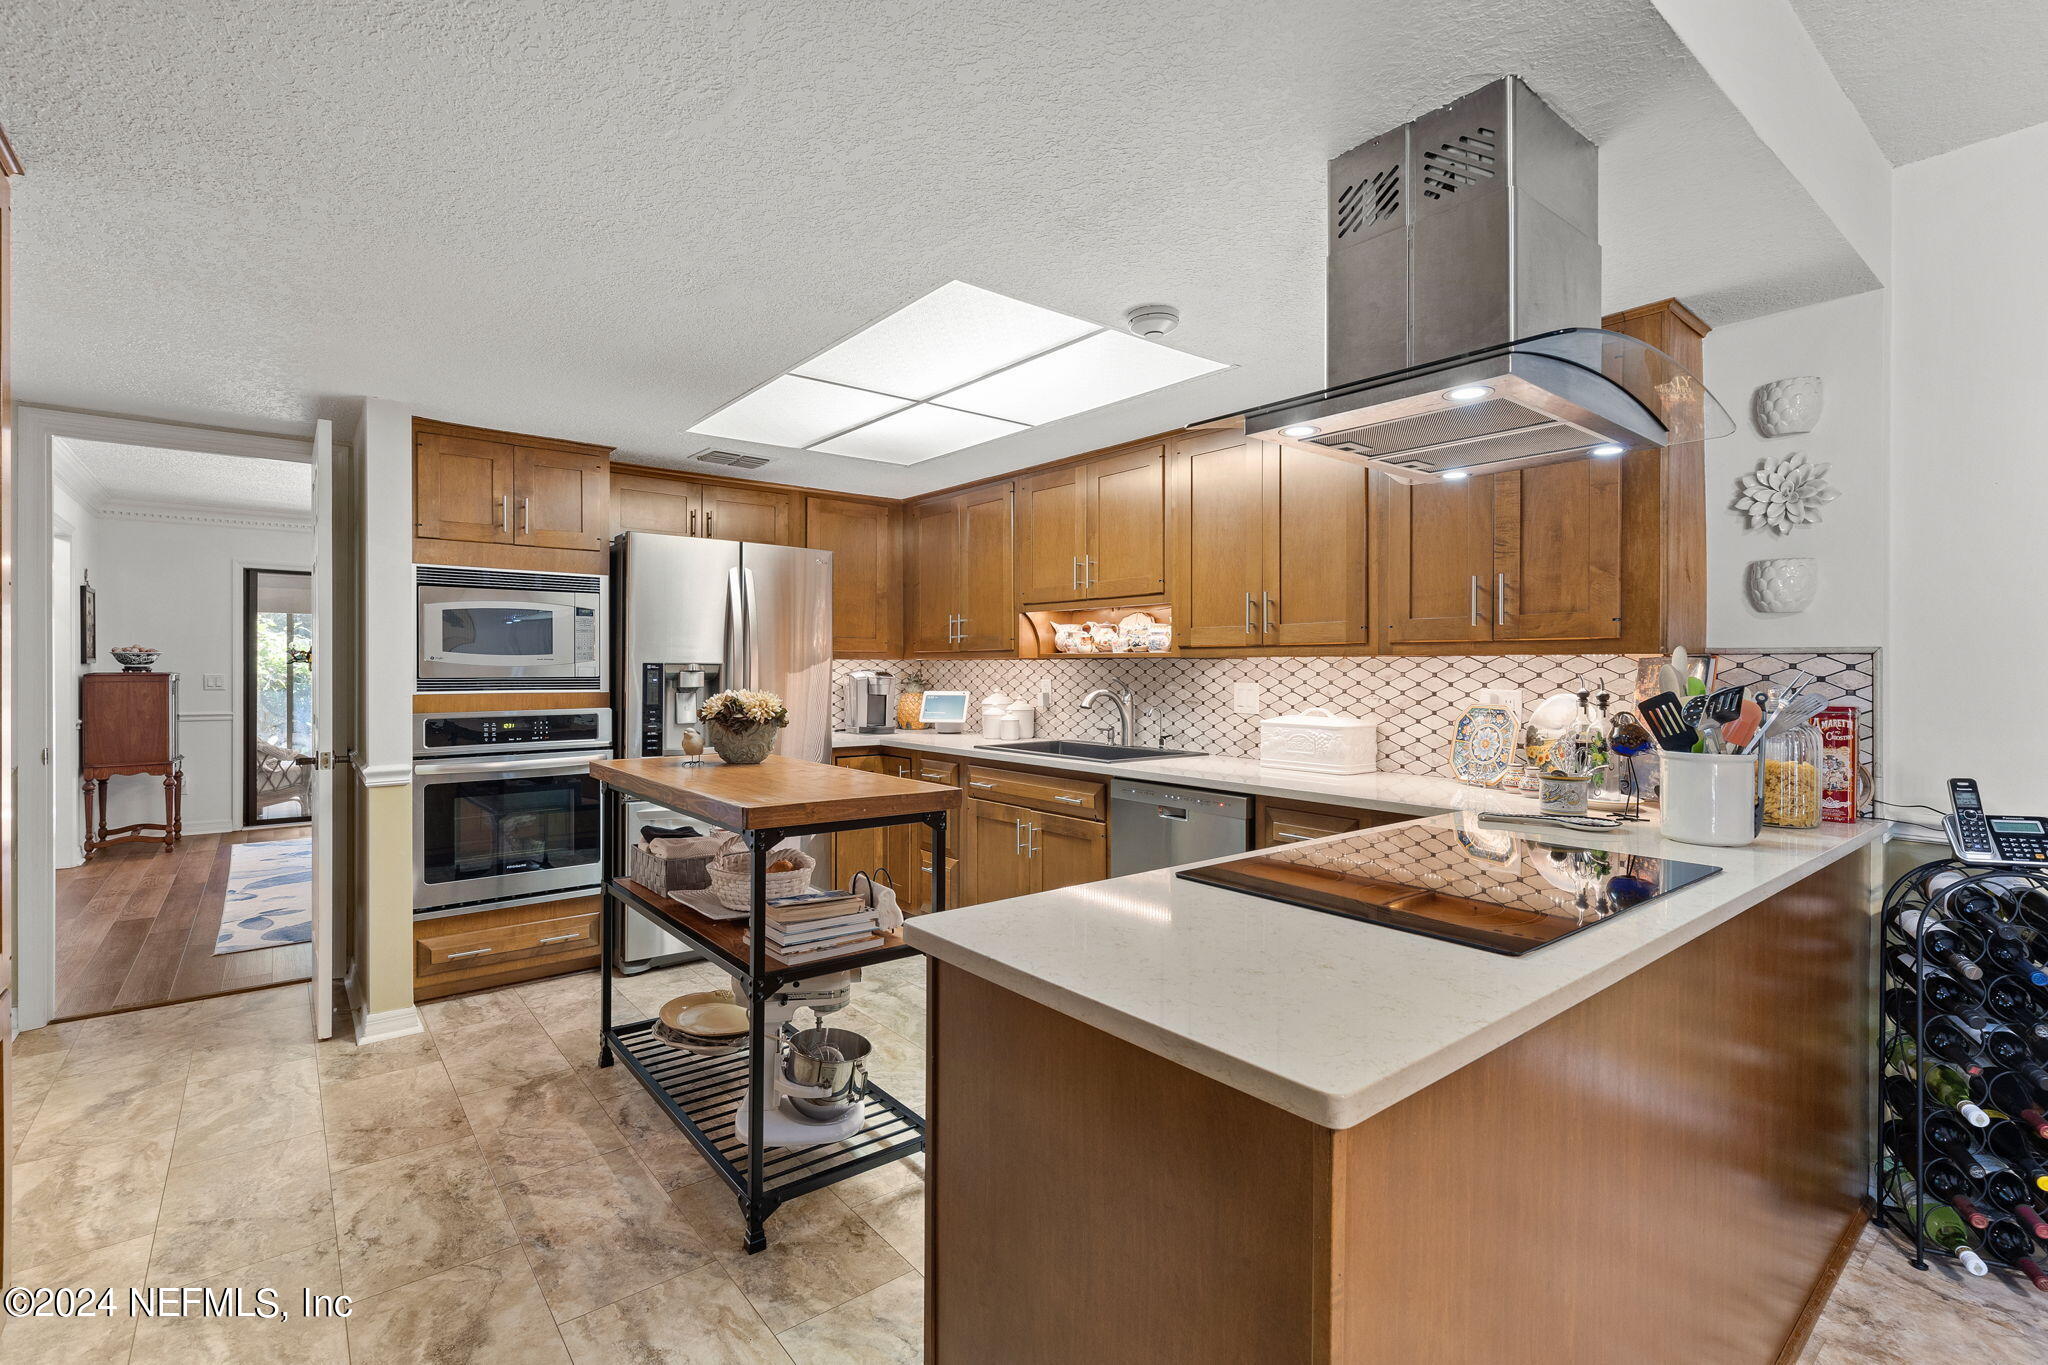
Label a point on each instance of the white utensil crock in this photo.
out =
(1711, 799)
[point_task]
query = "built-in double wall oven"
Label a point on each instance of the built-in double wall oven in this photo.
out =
(504, 808)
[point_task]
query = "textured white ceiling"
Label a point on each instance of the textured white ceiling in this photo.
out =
(144, 477)
(1930, 76)
(603, 222)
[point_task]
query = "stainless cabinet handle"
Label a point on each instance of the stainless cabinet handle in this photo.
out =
(981, 784)
(1087, 572)
(1074, 573)
(1031, 833)
(707, 523)
(1266, 613)
(472, 952)
(1500, 599)
(1018, 847)
(558, 938)
(526, 516)
(1291, 838)
(693, 521)
(1473, 603)
(505, 513)
(1072, 800)
(1249, 616)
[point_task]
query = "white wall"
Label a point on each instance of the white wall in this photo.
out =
(177, 585)
(1970, 473)
(1844, 341)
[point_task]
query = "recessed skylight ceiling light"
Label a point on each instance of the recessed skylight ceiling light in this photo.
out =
(986, 364)
(788, 411)
(951, 335)
(922, 432)
(1106, 368)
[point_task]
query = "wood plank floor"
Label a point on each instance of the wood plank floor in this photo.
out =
(136, 926)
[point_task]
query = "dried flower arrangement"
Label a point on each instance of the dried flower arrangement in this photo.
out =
(742, 710)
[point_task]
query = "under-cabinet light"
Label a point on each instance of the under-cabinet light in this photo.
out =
(1465, 393)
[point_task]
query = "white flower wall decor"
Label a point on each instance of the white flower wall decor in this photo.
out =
(1784, 493)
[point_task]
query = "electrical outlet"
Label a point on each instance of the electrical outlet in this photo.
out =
(214, 682)
(1044, 695)
(1245, 699)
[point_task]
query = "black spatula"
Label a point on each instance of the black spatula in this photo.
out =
(1665, 715)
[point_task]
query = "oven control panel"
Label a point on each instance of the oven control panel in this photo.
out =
(485, 732)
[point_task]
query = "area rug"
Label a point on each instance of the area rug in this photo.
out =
(270, 896)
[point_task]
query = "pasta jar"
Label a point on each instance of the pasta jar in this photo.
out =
(1792, 768)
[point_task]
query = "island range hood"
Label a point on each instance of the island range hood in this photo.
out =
(1463, 293)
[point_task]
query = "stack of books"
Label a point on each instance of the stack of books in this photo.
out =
(820, 924)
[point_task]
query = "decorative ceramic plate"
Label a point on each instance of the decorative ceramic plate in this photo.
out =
(1483, 747)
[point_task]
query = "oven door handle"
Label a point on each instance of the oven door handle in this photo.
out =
(536, 764)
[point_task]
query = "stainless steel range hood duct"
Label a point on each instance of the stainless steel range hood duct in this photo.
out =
(1463, 289)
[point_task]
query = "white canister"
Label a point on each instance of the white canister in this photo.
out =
(1712, 799)
(1320, 741)
(993, 708)
(1026, 716)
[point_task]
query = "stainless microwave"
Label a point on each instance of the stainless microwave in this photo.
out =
(486, 630)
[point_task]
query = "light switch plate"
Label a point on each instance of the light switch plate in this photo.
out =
(1244, 699)
(215, 682)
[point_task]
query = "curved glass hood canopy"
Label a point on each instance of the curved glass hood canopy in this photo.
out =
(1573, 392)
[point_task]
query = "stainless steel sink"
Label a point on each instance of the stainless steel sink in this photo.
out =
(1098, 753)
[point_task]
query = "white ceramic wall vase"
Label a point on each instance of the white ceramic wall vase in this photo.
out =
(1784, 493)
(1780, 587)
(1786, 407)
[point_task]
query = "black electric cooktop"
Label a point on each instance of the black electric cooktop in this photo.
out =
(1481, 886)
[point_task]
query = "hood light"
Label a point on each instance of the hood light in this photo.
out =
(1605, 452)
(1465, 393)
(1453, 475)
(1299, 429)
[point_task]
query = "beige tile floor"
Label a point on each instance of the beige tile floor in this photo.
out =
(483, 1192)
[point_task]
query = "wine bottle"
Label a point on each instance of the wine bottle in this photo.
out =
(1942, 1035)
(2009, 1094)
(1940, 1179)
(2014, 1052)
(2007, 1241)
(2004, 956)
(2006, 998)
(1907, 1098)
(1952, 1088)
(1943, 1150)
(1950, 945)
(2005, 1190)
(2009, 1143)
(1944, 1227)
(1943, 991)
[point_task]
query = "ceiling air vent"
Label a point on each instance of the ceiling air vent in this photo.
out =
(1361, 205)
(729, 459)
(1454, 165)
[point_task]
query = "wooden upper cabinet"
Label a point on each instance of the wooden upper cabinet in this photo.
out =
(1435, 560)
(865, 539)
(1557, 552)
(671, 505)
(988, 580)
(462, 487)
(934, 589)
(1216, 485)
(650, 502)
(563, 499)
(765, 516)
(547, 503)
(1314, 586)
(1125, 552)
(1052, 535)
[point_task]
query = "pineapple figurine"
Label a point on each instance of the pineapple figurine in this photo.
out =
(909, 700)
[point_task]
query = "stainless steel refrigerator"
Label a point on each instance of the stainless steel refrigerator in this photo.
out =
(695, 617)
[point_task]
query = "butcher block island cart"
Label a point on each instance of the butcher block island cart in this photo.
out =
(710, 1098)
(1177, 1118)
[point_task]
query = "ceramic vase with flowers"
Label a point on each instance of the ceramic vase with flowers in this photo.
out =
(741, 725)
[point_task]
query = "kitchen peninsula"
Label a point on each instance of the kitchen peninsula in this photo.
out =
(1175, 1121)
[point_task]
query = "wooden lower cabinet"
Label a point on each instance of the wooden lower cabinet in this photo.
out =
(888, 854)
(458, 953)
(1016, 850)
(1289, 822)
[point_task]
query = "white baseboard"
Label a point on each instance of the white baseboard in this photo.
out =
(380, 1027)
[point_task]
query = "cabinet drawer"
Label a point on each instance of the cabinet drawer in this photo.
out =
(943, 771)
(1040, 791)
(1280, 823)
(474, 949)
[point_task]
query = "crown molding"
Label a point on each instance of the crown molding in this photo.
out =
(202, 516)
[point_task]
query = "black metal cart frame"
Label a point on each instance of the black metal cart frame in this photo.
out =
(703, 1095)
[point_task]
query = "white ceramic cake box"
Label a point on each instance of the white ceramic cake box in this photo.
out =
(1320, 741)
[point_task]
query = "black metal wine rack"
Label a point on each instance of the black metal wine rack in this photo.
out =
(1910, 892)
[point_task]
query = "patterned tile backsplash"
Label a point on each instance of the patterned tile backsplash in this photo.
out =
(1187, 702)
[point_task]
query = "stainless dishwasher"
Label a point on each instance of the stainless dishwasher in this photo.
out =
(1153, 826)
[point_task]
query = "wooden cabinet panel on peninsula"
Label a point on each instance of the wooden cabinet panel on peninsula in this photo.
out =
(866, 541)
(1094, 531)
(649, 499)
(962, 593)
(1267, 545)
(537, 503)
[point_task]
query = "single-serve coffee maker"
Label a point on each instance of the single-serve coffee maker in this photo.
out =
(870, 696)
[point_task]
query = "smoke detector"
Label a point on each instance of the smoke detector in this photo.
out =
(1152, 319)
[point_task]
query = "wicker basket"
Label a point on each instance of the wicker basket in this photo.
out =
(732, 875)
(669, 875)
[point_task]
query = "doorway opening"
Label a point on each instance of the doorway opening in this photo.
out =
(277, 681)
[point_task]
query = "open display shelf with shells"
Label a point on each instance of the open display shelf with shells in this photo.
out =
(1137, 629)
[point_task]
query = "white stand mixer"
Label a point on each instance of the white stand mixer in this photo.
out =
(782, 1125)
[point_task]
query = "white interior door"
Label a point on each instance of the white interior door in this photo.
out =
(320, 794)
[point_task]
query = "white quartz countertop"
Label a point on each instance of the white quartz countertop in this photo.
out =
(1404, 793)
(1330, 1018)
